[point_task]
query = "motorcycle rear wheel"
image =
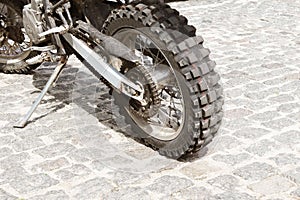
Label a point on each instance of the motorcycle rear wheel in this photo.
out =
(196, 83)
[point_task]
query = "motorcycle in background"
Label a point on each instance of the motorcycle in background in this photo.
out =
(160, 75)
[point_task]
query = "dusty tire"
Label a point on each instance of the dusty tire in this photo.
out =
(199, 83)
(15, 63)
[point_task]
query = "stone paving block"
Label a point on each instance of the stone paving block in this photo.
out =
(6, 140)
(252, 87)
(50, 165)
(282, 98)
(6, 196)
(237, 113)
(124, 178)
(199, 170)
(83, 154)
(140, 152)
(33, 131)
(236, 123)
(192, 193)
(279, 124)
(57, 149)
(119, 162)
(2, 124)
(14, 172)
(272, 185)
(283, 159)
(237, 81)
(262, 147)
(96, 188)
(259, 95)
(295, 117)
(67, 135)
(226, 143)
(97, 165)
(129, 193)
(64, 175)
(232, 159)
(265, 116)
(169, 184)
(90, 130)
(275, 198)
(251, 133)
(14, 160)
(288, 138)
(27, 144)
(254, 105)
(76, 170)
(234, 93)
(233, 196)
(274, 82)
(52, 195)
(273, 65)
(32, 183)
(225, 182)
(98, 145)
(155, 164)
(288, 107)
(4, 152)
(255, 171)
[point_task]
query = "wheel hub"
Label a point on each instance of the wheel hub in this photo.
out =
(150, 104)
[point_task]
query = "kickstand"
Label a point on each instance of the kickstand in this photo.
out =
(22, 123)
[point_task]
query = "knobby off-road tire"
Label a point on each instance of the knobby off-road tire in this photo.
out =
(198, 82)
(15, 63)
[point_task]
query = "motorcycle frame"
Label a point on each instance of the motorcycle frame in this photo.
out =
(97, 64)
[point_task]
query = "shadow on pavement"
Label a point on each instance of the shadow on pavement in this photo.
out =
(77, 85)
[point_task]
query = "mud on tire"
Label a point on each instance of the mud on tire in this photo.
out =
(199, 83)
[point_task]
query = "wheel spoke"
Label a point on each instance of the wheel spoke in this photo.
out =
(167, 120)
(3, 6)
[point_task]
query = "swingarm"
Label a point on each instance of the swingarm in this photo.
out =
(97, 65)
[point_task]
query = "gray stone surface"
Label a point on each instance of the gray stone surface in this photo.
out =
(233, 196)
(50, 165)
(255, 171)
(32, 183)
(272, 185)
(52, 195)
(70, 151)
(169, 184)
(262, 147)
(232, 159)
(225, 182)
(6, 196)
(96, 188)
(193, 193)
(283, 159)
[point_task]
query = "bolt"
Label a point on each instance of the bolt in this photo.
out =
(98, 40)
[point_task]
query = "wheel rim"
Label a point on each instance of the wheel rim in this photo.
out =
(168, 122)
(11, 51)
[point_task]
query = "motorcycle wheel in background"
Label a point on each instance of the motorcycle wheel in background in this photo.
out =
(13, 39)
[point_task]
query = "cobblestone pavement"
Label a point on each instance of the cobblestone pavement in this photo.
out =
(71, 152)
